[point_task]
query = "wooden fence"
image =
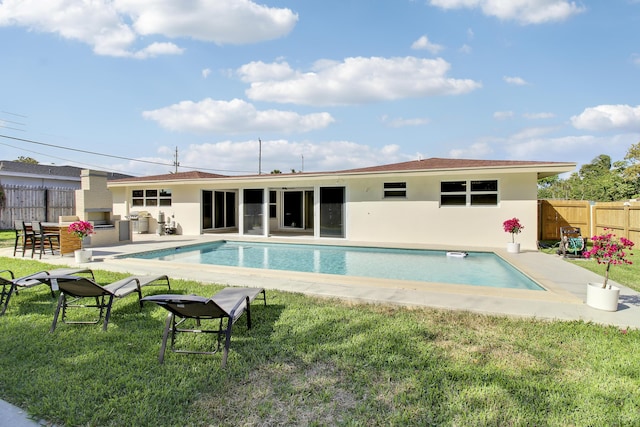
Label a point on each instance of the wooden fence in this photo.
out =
(623, 218)
(30, 203)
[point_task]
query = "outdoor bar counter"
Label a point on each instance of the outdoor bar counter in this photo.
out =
(68, 241)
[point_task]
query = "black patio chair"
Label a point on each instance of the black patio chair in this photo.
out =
(13, 285)
(40, 238)
(227, 306)
(74, 289)
(22, 235)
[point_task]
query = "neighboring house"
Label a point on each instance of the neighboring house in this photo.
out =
(45, 176)
(38, 192)
(451, 202)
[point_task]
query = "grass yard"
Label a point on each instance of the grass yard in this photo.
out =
(7, 238)
(310, 361)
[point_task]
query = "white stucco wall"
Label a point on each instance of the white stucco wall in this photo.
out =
(420, 219)
(370, 217)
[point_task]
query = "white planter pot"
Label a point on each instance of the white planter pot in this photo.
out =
(602, 298)
(513, 248)
(83, 255)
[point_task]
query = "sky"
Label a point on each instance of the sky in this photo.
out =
(239, 87)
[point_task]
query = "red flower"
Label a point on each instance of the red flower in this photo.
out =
(81, 229)
(512, 226)
(607, 250)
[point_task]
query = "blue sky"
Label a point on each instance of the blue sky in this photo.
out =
(325, 85)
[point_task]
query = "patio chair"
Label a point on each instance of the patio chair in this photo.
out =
(572, 244)
(40, 238)
(11, 286)
(73, 289)
(227, 306)
(22, 235)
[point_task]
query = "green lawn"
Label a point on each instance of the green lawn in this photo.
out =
(7, 238)
(310, 361)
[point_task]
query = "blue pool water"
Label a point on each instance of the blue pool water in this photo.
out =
(478, 268)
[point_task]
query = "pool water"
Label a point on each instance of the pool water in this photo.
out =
(477, 269)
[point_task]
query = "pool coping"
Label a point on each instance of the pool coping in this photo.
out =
(564, 282)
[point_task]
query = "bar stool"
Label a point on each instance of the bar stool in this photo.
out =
(40, 237)
(21, 235)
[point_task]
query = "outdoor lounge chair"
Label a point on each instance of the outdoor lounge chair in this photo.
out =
(11, 286)
(228, 305)
(572, 244)
(74, 288)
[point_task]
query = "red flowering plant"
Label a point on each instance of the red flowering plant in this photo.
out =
(513, 226)
(610, 251)
(81, 229)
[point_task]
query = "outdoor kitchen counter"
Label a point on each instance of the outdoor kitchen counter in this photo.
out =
(68, 242)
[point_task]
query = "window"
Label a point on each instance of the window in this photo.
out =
(469, 193)
(154, 197)
(395, 189)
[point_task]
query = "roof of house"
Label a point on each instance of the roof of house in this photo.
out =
(173, 176)
(436, 163)
(48, 170)
(431, 164)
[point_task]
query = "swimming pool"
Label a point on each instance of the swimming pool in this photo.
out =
(477, 269)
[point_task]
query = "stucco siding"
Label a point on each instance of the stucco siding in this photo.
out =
(419, 218)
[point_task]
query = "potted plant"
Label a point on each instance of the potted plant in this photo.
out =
(608, 250)
(514, 227)
(82, 229)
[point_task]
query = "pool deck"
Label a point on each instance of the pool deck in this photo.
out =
(563, 300)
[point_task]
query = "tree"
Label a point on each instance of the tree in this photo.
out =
(30, 160)
(600, 181)
(632, 171)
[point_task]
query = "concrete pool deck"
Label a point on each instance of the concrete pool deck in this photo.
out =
(563, 300)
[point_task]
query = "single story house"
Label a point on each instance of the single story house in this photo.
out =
(436, 201)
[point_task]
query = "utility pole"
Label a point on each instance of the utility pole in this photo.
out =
(302, 168)
(176, 163)
(260, 157)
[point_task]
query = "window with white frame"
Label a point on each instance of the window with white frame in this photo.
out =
(469, 193)
(395, 189)
(151, 197)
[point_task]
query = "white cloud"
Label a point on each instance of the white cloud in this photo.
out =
(206, 72)
(355, 80)
(113, 27)
(465, 48)
(235, 116)
(478, 150)
(228, 157)
(538, 116)
(423, 43)
(503, 115)
(529, 133)
(401, 122)
(635, 58)
(608, 117)
(515, 81)
(522, 11)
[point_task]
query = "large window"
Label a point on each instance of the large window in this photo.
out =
(152, 197)
(469, 193)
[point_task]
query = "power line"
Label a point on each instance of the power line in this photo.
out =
(114, 156)
(60, 158)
